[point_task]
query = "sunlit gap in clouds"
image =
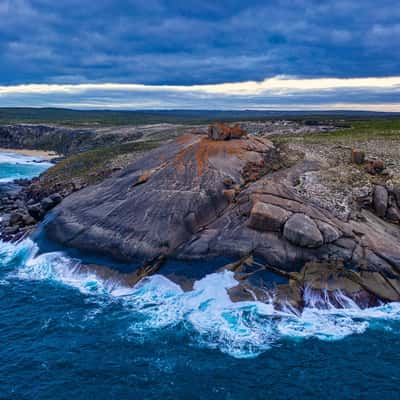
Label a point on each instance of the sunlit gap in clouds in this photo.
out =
(280, 92)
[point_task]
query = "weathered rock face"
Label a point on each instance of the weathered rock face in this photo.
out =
(61, 140)
(197, 198)
(160, 202)
(393, 214)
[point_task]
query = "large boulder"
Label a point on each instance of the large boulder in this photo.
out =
(329, 232)
(302, 231)
(267, 217)
(219, 131)
(381, 198)
(333, 281)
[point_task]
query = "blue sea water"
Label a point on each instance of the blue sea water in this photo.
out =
(68, 334)
(16, 166)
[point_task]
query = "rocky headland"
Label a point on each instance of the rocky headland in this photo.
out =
(295, 218)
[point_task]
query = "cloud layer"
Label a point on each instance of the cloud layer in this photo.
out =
(184, 53)
(278, 92)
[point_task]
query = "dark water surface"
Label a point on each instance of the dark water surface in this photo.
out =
(57, 343)
(68, 335)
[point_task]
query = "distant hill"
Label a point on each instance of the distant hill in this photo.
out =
(108, 117)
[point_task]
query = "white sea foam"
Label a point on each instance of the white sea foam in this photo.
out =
(13, 158)
(19, 166)
(243, 329)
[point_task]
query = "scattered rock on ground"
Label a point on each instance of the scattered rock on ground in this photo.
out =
(357, 156)
(375, 167)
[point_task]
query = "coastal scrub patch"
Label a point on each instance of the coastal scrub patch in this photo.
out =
(93, 166)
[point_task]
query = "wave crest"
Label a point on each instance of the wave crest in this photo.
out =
(243, 329)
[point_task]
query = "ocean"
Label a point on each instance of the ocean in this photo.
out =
(17, 166)
(65, 334)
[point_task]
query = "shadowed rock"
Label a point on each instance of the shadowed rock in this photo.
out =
(396, 194)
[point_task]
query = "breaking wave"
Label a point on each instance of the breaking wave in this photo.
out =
(17, 166)
(242, 330)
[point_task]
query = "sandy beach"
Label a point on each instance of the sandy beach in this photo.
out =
(45, 155)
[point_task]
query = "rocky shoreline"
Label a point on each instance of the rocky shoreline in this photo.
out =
(231, 192)
(22, 208)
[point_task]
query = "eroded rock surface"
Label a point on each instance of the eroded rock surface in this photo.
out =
(199, 198)
(160, 202)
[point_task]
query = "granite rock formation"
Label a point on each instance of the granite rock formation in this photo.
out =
(199, 198)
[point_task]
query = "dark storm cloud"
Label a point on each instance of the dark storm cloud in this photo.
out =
(192, 42)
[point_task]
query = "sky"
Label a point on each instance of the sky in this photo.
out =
(225, 54)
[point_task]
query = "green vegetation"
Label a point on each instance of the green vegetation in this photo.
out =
(93, 166)
(387, 129)
(98, 118)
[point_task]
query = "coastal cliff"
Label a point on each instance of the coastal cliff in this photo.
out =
(41, 137)
(68, 141)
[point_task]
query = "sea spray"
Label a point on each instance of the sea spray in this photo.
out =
(243, 329)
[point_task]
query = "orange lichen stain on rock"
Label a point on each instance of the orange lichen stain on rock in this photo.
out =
(147, 174)
(180, 161)
(201, 152)
(184, 139)
(145, 177)
(208, 148)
